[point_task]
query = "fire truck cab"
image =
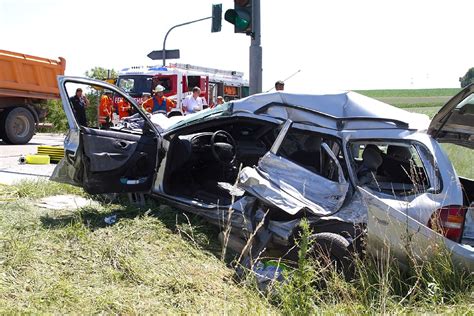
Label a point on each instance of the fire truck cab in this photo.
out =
(180, 79)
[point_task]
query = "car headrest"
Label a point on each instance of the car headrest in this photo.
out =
(400, 153)
(372, 157)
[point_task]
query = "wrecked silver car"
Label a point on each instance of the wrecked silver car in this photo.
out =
(361, 171)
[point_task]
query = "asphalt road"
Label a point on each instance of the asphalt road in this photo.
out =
(12, 171)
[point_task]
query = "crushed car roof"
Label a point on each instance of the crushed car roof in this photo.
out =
(362, 111)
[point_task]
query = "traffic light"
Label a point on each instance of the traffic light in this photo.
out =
(240, 16)
(216, 18)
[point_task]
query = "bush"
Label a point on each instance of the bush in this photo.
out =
(56, 116)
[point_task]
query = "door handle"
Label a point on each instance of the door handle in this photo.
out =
(121, 144)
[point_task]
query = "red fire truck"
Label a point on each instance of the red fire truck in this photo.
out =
(180, 79)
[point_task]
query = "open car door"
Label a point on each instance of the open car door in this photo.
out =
(105, 155)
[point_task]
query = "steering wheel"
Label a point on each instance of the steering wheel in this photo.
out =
(224, 152)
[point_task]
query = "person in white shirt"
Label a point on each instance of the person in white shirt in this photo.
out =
(194, 103)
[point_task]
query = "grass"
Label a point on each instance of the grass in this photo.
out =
(461, 158)
(413, 98)
(149, 262)
(380, 286)
(409, 92)
(153, 260)
(430, 111)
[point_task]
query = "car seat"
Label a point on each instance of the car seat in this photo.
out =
(372, 160)
(396, 164)
(309, 156)
(400, 153)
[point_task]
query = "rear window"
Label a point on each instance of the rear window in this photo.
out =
(394, 168)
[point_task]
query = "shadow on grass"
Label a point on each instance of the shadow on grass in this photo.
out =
(189, 226)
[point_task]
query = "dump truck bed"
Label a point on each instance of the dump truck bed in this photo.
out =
(29, 76)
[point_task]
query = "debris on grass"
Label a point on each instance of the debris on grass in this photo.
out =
(109, 220)
(66, 201)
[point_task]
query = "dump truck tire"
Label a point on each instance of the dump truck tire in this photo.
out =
(2, 127)
(18, 126)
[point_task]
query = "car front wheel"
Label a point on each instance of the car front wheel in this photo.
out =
(331, 248)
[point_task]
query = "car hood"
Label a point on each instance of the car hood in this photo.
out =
(454, 123)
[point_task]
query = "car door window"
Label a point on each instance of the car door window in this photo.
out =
(303, 164)
(303, 147)
(401, 168)
(98, 108)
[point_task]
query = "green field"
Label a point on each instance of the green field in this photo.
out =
(409, 92)
(412, 98)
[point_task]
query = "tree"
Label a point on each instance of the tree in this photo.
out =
(468, 78)
(101, 73)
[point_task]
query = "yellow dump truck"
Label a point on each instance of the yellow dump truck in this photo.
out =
(26, 82)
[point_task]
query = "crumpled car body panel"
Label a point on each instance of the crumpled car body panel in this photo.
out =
(291, 187)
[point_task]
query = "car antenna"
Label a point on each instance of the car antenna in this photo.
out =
(294, 74)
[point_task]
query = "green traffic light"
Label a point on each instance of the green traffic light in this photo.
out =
(240, 19)
(241, 24)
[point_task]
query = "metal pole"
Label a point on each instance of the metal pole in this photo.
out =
(178, 25)
(255, 54)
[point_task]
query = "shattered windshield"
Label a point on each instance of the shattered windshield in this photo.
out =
(135, 85)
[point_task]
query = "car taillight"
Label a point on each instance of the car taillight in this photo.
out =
(449, 221)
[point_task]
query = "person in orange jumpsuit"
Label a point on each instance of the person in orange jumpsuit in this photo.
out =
(159, 103)
(105, 110)
(123, 108)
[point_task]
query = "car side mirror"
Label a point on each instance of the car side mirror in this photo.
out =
(333, 157)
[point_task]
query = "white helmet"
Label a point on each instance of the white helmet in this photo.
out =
(159, 88)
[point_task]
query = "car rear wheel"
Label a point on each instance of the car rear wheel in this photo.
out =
(18, 126)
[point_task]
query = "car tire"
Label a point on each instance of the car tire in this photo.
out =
(331, 248)
(18, 126)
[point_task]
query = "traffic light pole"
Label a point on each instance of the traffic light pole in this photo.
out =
(178, 25)
(255, 54)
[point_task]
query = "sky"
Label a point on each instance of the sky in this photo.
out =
(326, 45)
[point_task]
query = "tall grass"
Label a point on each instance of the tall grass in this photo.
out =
(380, 285)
